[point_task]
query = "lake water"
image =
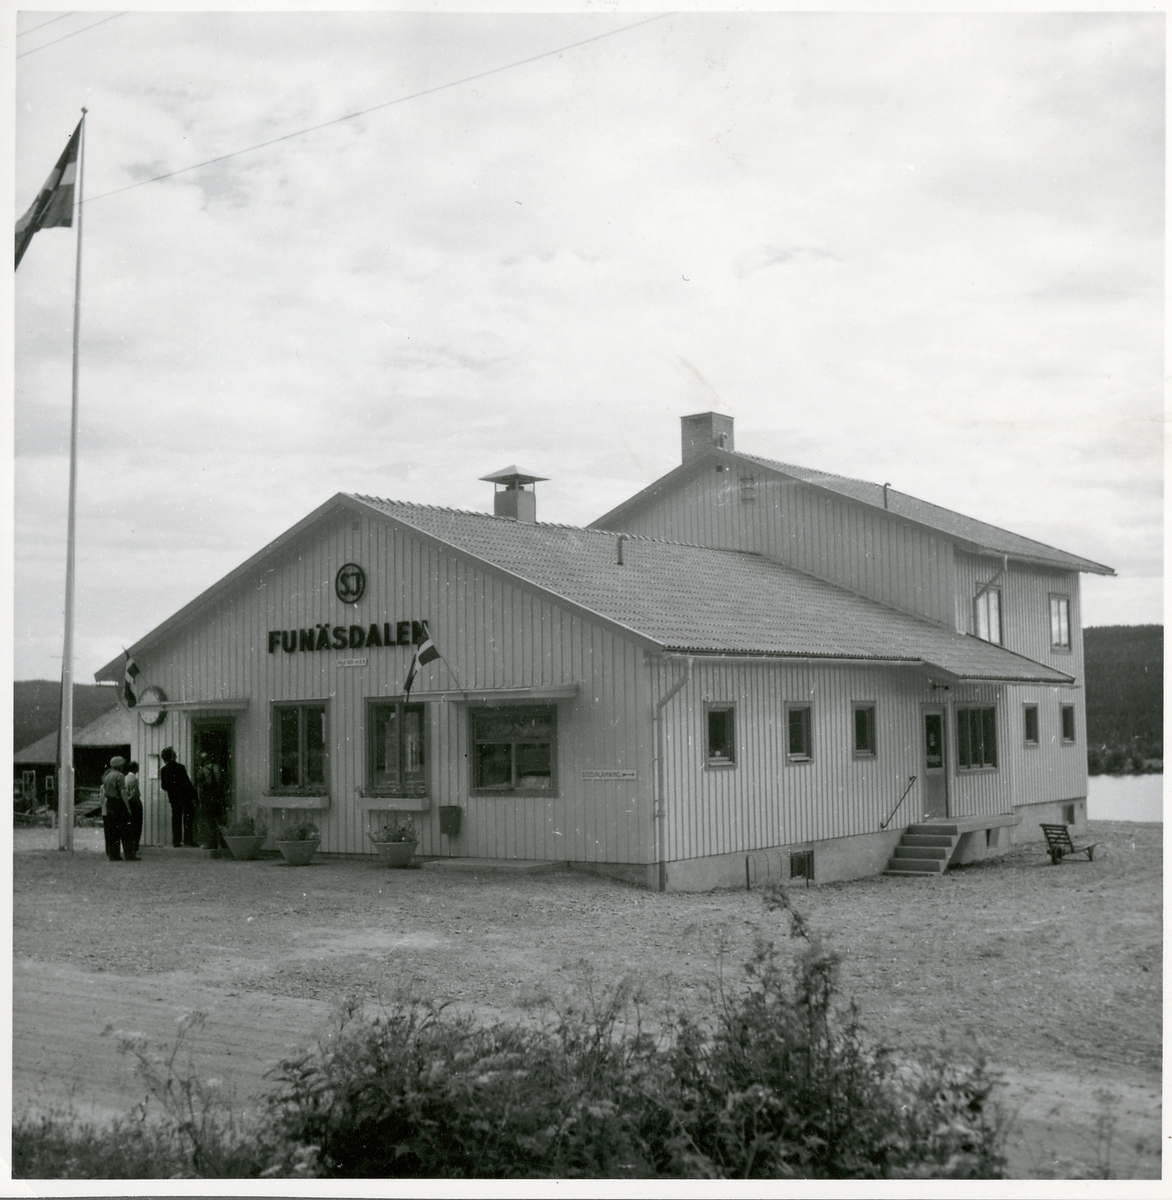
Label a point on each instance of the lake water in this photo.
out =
(1125, 798)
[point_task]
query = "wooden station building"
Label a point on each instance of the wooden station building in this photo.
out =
(749, 670)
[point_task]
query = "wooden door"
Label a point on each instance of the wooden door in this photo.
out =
(935, 762)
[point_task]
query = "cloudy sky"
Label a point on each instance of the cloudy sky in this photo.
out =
(918, 249)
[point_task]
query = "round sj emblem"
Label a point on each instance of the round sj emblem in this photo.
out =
(350, 583)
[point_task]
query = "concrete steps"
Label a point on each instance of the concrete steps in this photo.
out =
(924, 849)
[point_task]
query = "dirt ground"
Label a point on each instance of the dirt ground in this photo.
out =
(1054, 972)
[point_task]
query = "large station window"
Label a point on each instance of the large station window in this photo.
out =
(396, 743)
(299, 748)
(514, 750)
(976, 738)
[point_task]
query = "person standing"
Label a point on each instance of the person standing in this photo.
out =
(134, 810)
(175, 781)
(115, 817)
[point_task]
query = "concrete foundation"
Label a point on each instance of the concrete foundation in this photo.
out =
(1072, 812)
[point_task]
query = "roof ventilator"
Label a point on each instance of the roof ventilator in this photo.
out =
(515, 500)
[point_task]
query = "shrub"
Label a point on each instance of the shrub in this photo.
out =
(395, 831)
(59, 1146)
(245, 826)
(304, 831)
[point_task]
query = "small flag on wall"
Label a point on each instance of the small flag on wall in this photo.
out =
(425, 652)
(54, 202)
(131, 674)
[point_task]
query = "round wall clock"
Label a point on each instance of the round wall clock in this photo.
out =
(149, 715)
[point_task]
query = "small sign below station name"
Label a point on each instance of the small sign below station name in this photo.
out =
(352, 662)
(611, 773)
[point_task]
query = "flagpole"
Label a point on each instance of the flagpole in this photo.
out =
(65, 794)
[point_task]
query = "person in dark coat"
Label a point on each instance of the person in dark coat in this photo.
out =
(209, 809)
(175, 781)
(115, 816)
(130, 794)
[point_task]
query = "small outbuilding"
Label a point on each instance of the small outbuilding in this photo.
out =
(747, 671)
(35, 766)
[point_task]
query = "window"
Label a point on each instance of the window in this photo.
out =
(748, 489)
(864, 731)
(798, 737)
(299, 748)
(50, 783)
(1068, 722)
(722, 744)
(396, 761)
(987, 615)
(1031, 724)
(1060, 622)
(976, 738)
(513, 750)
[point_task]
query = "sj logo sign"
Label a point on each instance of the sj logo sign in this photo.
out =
(350, 583)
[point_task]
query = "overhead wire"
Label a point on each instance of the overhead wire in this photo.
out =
(377, 107)
(64, 37)
(44, 23)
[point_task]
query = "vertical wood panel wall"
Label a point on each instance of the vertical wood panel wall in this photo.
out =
(491, 633)
(859, 547)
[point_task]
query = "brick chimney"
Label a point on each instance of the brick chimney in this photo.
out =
(701, 430)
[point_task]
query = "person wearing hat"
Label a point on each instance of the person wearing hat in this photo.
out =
(115, 816)
(176, 782)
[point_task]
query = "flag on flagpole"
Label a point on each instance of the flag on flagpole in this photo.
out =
(425, 652)
(130, 675)
(54, 202)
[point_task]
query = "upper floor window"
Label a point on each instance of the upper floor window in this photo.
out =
(514, 750)
(395, 740)
(1031, 724)
(299, 748)
(722, 746)
(976, 738)
(1060, 622)
(748, 489)
(987, 615)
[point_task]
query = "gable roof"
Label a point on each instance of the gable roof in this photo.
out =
(970, 534)
(673, 597)
(113, 728)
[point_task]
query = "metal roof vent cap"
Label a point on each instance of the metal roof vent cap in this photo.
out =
(511, 497)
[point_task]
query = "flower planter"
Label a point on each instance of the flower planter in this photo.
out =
(298, 854)
(394, 854)
(244, 846)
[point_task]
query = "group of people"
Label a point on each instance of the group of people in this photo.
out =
(196, 808)
(121, 810)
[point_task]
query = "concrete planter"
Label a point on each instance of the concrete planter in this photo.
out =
(299, 854)
(394, 854)
(244, 846)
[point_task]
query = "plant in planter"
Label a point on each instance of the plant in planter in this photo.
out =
(395, 842)
(244, 836)
(298, 843)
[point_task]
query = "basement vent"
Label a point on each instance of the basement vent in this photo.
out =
(801, 865)
(1068, 814)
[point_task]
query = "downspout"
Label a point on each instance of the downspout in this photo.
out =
(661, 776)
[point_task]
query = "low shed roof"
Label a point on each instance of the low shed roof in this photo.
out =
(113, 728)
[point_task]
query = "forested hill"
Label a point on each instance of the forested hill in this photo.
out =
(1125, 694)
(36, 707)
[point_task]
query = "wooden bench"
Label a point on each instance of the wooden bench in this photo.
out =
(1059, 844)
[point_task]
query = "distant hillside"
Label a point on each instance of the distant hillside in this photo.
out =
(1125, 695)
(36, 707)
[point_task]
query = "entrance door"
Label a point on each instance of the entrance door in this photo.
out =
(935, 763)
(212, 774)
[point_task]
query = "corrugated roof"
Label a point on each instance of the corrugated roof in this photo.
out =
(695, 599)
(976, 534)
(113, 728)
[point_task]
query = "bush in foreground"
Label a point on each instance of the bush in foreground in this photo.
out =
(773, 1080)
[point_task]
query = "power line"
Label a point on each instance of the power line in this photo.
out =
(377, 107)
(83, 29)
(44, 23)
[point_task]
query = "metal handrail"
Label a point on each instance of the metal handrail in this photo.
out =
(902, 798)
